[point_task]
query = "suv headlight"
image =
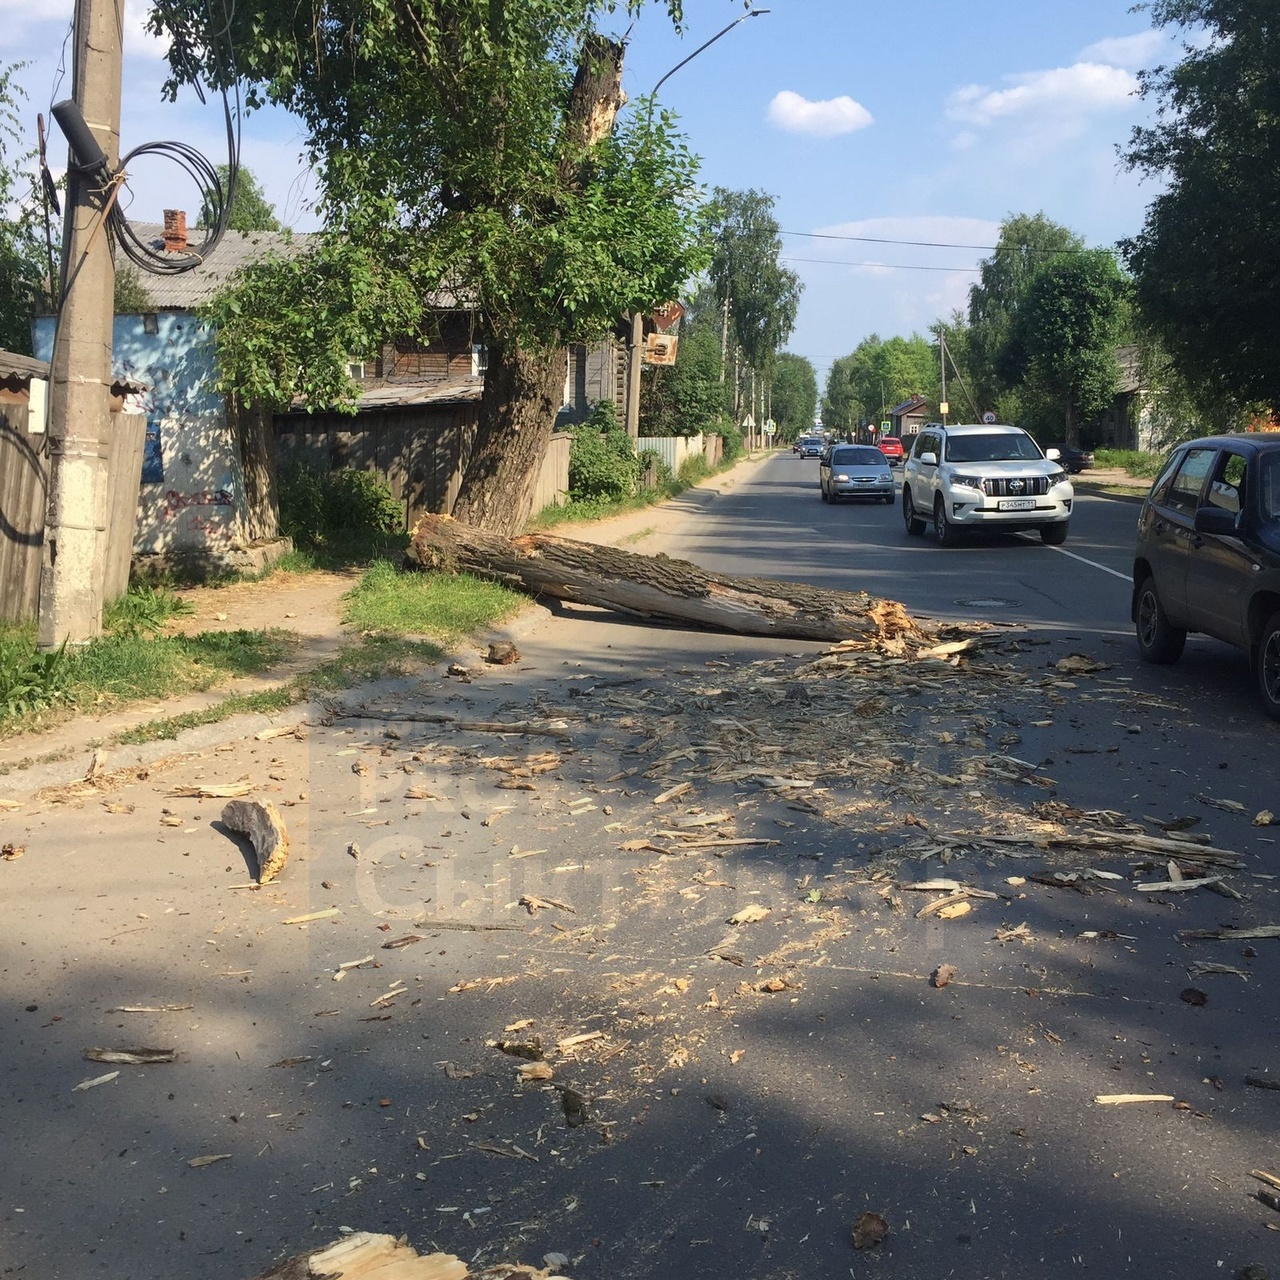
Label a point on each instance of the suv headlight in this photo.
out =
(1057, 476)
(966, 482)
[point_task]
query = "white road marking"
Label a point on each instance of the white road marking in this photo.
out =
(1124, 577)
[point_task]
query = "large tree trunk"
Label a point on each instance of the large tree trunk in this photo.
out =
(659, 587)
(524, 387)
(254, 429)
(523, 391)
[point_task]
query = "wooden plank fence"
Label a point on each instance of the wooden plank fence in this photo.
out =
(24, 469)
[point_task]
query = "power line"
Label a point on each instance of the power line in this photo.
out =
(887, 266)
(931, 244)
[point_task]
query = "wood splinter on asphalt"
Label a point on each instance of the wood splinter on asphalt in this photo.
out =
(266, 832)
(1123, 1099)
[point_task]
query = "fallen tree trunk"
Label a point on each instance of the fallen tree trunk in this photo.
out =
(660, 587)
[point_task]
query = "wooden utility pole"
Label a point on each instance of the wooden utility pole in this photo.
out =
(71, 573)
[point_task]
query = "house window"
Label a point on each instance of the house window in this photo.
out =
(479, 360)
(355, 370)
(150, 323)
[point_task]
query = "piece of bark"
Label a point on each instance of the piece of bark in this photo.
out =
(364, 1255)
(502, 653)
(131, 1057)
(266, 831)
(660, 587)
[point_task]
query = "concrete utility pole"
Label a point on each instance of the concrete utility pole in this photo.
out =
(635, 368)
(71, 575)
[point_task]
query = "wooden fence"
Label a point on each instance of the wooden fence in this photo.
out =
(24, 471)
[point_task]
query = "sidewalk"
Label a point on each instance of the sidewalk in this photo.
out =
(310, 605)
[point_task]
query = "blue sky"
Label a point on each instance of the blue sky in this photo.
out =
(921, 120)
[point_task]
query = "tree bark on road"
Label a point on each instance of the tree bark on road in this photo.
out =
(660, 587)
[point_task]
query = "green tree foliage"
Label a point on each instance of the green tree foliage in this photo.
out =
(1207, 259)
(250, 208)
(603, 465)
(131, 295)
(794, 395)
(1062, 345)
(687, 397)
(763, 295)
(879, 374)
(286, 327)
(467, 145)
(24, 263)
(1026, 242)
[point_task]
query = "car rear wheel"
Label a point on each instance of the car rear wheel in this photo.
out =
(944, 532)
(1054, 535)
(1158, 639)
(1267, 666)
(915, 526)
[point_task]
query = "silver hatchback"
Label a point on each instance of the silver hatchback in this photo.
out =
(855, 471)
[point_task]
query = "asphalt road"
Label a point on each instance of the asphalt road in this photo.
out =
(750, 1089)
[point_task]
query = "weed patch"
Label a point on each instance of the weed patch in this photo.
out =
(1144, 465)
(449, 606)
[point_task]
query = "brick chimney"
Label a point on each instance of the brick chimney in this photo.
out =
(175, 231)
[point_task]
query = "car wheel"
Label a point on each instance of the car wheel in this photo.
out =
(1158, 639)
(1054, 535)
(1267, 666)
(915, 526)
(944, 532)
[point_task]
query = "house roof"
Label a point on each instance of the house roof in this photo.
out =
(909, 406)
(17, 371)
(1130, 362)
(236, 249)
(189, 289)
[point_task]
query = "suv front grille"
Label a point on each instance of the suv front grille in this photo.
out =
(1017, 487)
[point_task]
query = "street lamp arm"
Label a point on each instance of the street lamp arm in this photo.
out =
(754, 13)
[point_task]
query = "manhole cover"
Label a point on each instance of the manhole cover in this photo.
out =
(990, 602)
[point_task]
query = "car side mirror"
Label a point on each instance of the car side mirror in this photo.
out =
(928, 459)
(1053, 454)
(1215, 520)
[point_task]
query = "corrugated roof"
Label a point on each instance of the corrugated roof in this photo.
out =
(236, 249)
(17, 371)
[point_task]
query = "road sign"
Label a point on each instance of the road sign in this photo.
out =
(988, 417)
(749, 422)
(770, 427)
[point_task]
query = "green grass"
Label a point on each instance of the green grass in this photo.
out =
(351, 552)
(448, 606)
(123, 667)
(1144, 465)
(373, 658)
(691, 472)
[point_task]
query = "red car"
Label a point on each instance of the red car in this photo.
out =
(891, 447)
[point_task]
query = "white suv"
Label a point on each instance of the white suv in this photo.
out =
(984, 476)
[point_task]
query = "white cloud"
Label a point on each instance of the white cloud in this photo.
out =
(923, 228)
(1135, 51)
(1063, 92)
(795, 114)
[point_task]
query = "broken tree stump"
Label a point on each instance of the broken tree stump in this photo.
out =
(659, 587)
(366, 1254)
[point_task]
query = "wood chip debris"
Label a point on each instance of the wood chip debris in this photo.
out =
(265, 828)
(1231, 935)
(327, 914)
(752, 913)
(1124, 1099)
(131, 1057)
(95, 1082)
(533, 903)
(201, 791)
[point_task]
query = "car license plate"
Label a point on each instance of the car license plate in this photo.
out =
(1017, 504)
